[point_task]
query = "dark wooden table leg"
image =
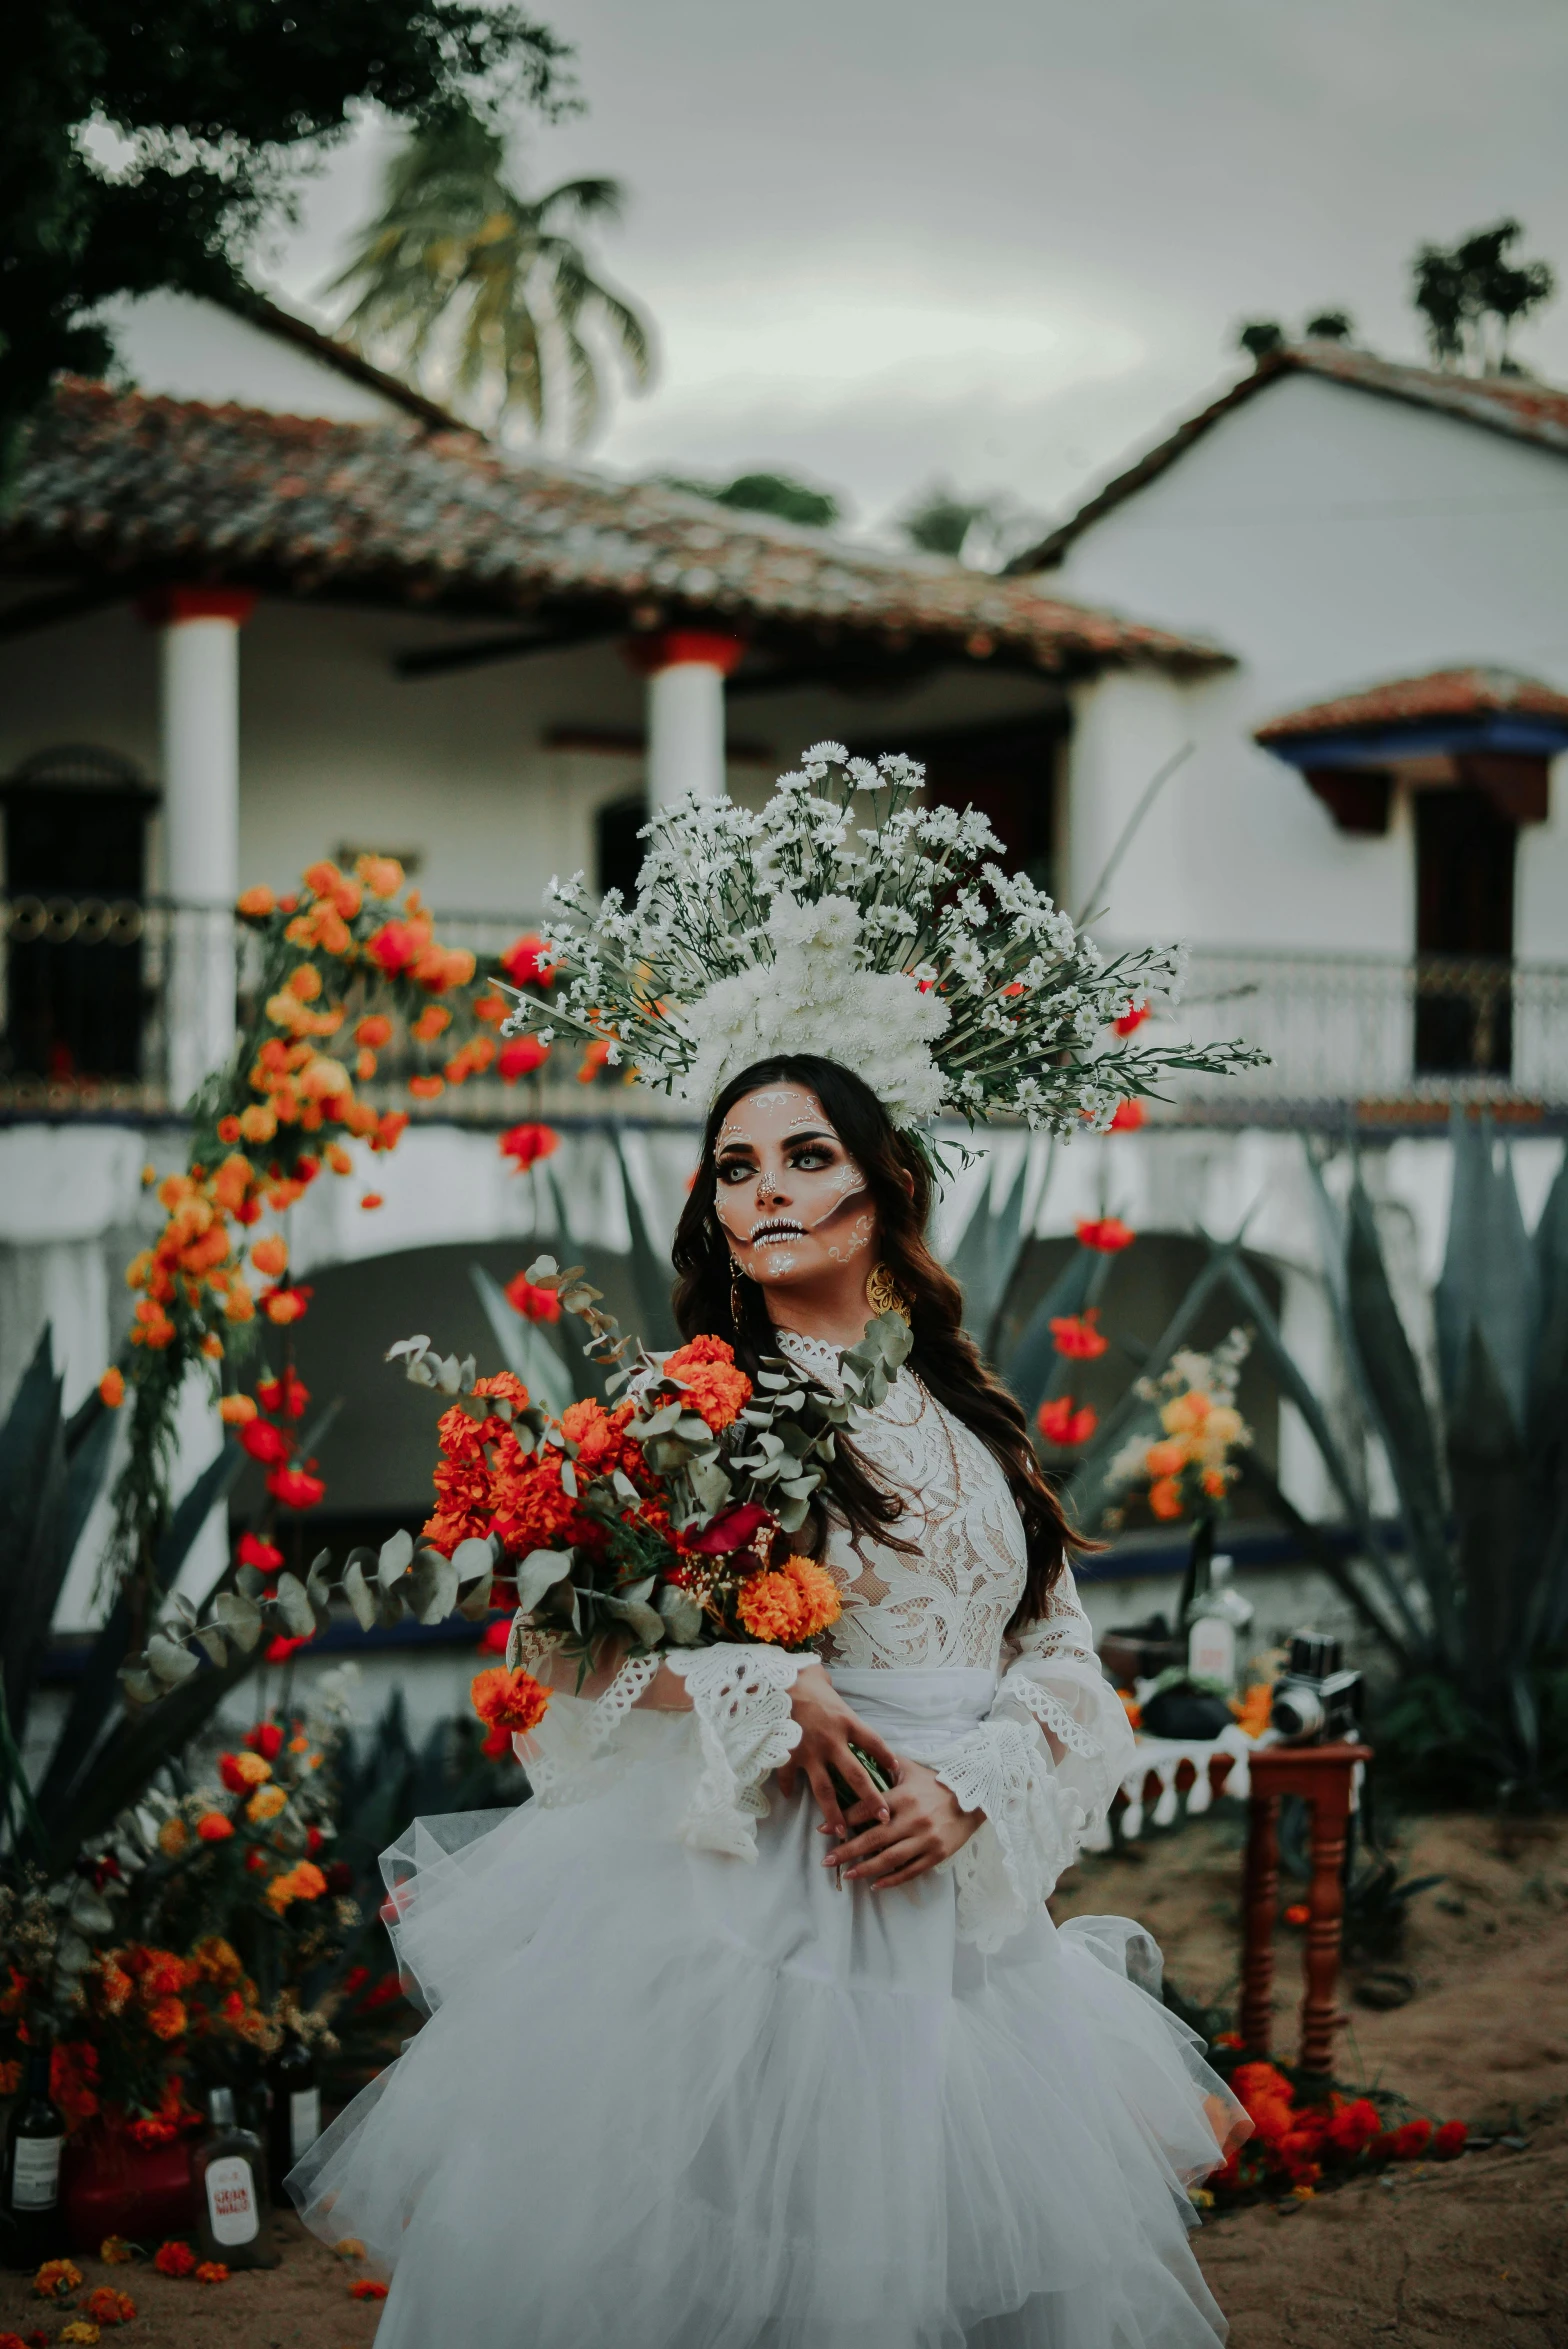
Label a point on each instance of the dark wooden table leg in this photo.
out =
(1261, 1892)
(1325, 1925)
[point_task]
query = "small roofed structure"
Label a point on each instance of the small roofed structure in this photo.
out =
(1489, 727)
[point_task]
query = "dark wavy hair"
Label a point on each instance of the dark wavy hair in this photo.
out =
(944, 1355)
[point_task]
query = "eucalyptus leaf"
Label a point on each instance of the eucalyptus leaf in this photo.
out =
(169, 1662)
(474, 1557)
(433, 1584)
(357, 1592)
(239, 1618)
(474, 1605)
(211, 1640)
(647, 1623)
(539, 1572)
(138, 1685)
(295, 1607)
(396, 1557)
(682, 1616)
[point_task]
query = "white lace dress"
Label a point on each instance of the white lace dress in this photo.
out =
(678, 2090)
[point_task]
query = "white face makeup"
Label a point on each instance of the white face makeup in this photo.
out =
(790, 1200)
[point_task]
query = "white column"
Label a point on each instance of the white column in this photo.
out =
(200, 711)
(685, 669)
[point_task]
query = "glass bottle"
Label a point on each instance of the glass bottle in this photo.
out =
(232, 2204)
(34, 2139)
(296, 2107)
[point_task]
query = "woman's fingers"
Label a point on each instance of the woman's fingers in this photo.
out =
(879, 1750)
(859, 1779)
(895, 1861)
(821, 1782)
(920, 1866)
(871, 1839)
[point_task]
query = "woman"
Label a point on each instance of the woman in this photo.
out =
(716, 2061)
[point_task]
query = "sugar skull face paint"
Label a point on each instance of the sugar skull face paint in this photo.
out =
(790, 1200)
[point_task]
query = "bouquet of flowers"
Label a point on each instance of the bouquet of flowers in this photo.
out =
(664, 1517)
(1189, 1467)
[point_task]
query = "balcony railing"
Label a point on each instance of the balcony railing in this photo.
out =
(104, 1006)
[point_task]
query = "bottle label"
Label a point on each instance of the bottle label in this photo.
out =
(231, 2200)
(35, 2178)
(304, 2121)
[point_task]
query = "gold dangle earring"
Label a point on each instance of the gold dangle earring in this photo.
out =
(883, 1294)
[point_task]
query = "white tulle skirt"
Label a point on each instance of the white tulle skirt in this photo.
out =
(668, 2100)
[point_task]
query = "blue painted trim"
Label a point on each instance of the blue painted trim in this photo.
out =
(1533, 737)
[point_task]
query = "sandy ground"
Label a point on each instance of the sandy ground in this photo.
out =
(1431, 2255)
(1473, 2252)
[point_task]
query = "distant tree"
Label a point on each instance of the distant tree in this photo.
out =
(461, 276)
(1472, 294)
(1260, 336)
(982, 532)
(768, 493)
(1330, 326)
(141, 149)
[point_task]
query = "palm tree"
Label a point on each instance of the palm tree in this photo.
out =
(461, 269)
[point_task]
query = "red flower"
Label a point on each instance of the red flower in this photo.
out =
(731, 1530)
(1077, 1335)
(706, 1370)
(533, 1304)
(1107, 1234)
(395, 946)
(253, 1551)
(1129, 1117)
(285, 1397)
(1059, 1423)
(174, 2259)
(526, 963)
(264, 1738)
(528, 1143)
(264, 1442)
(296, 1488)
(1449, 2142)
(1131, 1020)
(278, 1651)
(509, 1701)
(493, 1638)
(1411, 2140)
(366, 2288)
(1354, 2126)
(521, 1057)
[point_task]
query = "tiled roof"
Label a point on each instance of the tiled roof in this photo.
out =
(1446, 693)
(162, 489)
(1514, 404)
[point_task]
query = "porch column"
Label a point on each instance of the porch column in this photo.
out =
(199, 688)
(685, 669)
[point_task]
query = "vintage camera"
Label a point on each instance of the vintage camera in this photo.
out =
(1315, 1701)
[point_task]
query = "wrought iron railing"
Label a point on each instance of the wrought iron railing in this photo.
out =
(105, 1005)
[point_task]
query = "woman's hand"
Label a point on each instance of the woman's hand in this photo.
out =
(827, 1731)
(921, 1826)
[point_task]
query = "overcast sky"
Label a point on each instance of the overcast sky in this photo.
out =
(1003, 242)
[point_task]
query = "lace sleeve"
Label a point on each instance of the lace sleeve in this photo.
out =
(1043, 1768)
(745, 1729)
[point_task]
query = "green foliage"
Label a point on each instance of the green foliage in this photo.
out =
(1259, 337)
(1472, 294)
(768, 493)
(983, 531)
(459, 263)
(138, 152)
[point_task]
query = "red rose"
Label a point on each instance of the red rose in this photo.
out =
(521, 1057)
(253, 1551)
(731, 1530)
(296, 1488)
(264, 1442)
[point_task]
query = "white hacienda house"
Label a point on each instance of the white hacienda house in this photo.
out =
(269, 604)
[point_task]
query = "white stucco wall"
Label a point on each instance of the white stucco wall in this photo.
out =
(1332, 540)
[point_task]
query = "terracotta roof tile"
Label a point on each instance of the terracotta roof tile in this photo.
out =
(390, 513)
(1513, 404)
(1446, 693)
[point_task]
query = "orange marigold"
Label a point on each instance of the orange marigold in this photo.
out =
(212, 2271)
(111, 1387)
(506, 1386)
(706, 1369)
(105, 2306)
(256, 902)
(57, 2279)
(789, 1604)
(508, 1700)
(271, 1255)
(214, 1827)
(1165, 1496)
(116, 2251)
(366, 2288)
(236, 1410)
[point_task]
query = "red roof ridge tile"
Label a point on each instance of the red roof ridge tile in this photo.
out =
(1457, 692)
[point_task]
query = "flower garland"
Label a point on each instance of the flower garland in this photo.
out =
(342, 964)
(1297, 2142)
(845, 920)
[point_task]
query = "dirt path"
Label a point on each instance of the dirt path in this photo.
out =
(1435, 2255)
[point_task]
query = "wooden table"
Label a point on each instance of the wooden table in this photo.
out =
(1324, 1776)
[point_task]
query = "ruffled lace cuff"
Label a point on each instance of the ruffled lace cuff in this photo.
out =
(746, 1731)
(1034, 1823)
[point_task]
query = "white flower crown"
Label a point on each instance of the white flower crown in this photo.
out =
(891, 945)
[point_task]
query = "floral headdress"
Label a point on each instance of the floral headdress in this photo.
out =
(844, 920)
